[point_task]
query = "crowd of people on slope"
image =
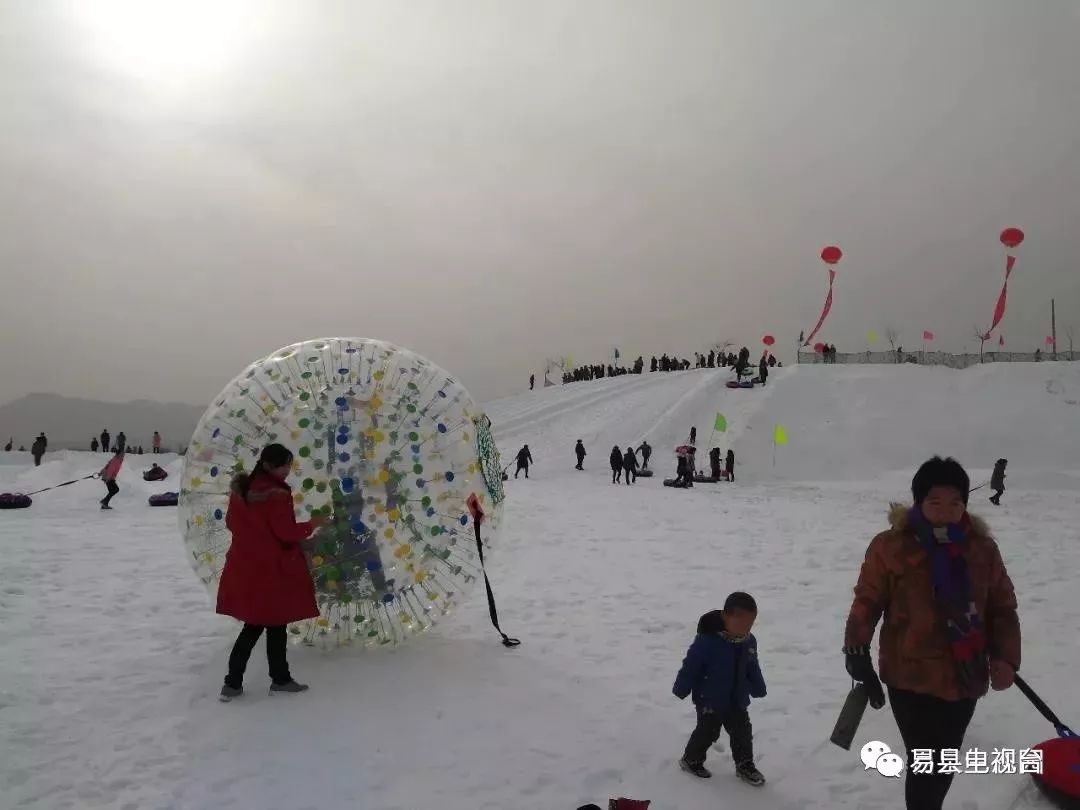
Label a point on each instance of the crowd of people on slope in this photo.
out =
(666, 363)
(104, 443)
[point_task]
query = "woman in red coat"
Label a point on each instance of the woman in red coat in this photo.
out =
(265, 582)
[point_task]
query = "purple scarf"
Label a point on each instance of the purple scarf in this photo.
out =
(952, 594)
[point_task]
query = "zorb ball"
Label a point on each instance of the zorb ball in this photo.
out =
(388, 447)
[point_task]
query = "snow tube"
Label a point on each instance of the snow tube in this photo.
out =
(1060, 779)
(149, 475)
(11, 500)
(164, 499)
(704, 479)
(671, 482)
(644, 474)
(743, 384)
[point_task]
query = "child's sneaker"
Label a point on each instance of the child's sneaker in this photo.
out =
(290, 686)
(750, 774)
(230, 692)
(697, 769)
(106, 506)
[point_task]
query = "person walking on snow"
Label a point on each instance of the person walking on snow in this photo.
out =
(950, 629)
(693, 436)
(616, 460)
(121, 441)
(37, 449)
(532, 381)
(630, 465)
(109, 474)
(997, 481)
(156, 444)
(579, 451)
(265, 583)
(714, 463)
(729, 465)
(763, 369)
(93, 445)
(524, 459)
(104, 441)
(646, 451)
(721, 671)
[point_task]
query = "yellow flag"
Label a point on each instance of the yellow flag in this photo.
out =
(780, 435)
(872, 336)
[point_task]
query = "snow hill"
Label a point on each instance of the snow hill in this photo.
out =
(112, 656)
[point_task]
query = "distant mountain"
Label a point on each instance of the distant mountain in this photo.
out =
(71, 423)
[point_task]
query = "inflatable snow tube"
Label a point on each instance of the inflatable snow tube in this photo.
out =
(743, 384)
(671, 482)
(1060, 779)
(150, 476)
(644, 474)
(11, 500)
(165, 499)
(705, 479)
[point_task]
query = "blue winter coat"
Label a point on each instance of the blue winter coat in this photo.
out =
(719, 673)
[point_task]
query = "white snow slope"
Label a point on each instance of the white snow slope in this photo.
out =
(112, 657)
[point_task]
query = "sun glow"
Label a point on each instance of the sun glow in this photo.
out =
(169, 43)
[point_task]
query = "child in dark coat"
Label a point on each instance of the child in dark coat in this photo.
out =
(722, 672)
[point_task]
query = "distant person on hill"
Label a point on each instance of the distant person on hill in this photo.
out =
(265, 583)
(712, 358)
(997, 481)
(121, 441)
(714, 463)
(763, 370)
(524, 459)
(693, 436)
(680, 469)
(616, 464)
(37, 449)
(8, 446)
(94, 445)
(630, 465)
(721, 672)
(936, 582)
(532, 381)
(646, 451)
(139, 450)
(22, 448)
(729, 465)
(156, 443)
(653, 364)
(104, 441)
(579, 451)
(772, 361)
(108, 474)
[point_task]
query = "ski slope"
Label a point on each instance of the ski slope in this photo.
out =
(112, 656)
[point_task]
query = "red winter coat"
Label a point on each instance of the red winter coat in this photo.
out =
(266, 579)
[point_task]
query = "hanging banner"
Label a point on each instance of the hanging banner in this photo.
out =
(1010, 238)
(830, 255)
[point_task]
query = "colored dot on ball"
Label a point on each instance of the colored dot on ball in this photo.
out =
(343, 457)
(415, 448)
(418, 468)
(343, 438)
(347, 484)
(342, 371)
(414, 437)
(431, 512)
(351, 350)
(442, 428)
(320, 487)
(214, 471)
(304, 422)
(449, 476)
(308, 483)
(359, 527)
(217, 514)
(410, 408)
(425, 501)
(388, 598)
(304, 396)
(304, 451)
(341, 403)
(463, 520)
(436, 531)
(216, 433)
(420, 483)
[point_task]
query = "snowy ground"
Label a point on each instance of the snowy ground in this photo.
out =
(112, 657)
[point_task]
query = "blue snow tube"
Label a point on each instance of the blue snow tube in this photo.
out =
(165, 499)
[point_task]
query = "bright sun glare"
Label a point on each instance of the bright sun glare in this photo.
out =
(168, 42)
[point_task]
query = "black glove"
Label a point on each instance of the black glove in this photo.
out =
(861, 668)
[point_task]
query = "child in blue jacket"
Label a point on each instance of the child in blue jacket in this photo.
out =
(722, 672)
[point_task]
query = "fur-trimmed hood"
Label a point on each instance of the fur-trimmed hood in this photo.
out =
(899, 520)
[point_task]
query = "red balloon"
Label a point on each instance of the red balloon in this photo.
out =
(768, 340)
(1011, 237)
(819, 348)
(832, 254)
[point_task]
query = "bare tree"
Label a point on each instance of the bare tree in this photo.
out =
(982, 338)
(892, 335)
(1070, 335)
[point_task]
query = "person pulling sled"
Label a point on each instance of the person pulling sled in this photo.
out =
(524, 459)
(997, 481)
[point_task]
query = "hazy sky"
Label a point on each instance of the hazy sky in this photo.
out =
(491, 183)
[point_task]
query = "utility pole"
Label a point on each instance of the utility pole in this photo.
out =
(1053, 329)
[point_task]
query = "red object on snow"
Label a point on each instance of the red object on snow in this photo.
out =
(1060, 778)
(475, 509)
(266, 578)
(927, 335)
(832, 254)
(768, 340)
(1011, 237)
(629, 804)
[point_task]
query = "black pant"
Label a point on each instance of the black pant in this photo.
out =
(37, 459)
(926, 721)
(113, 489)
(631, 476)
(996, 497)
(580, 461)
(616, 475)
(276, 641)
(709, 725)
(521, 467)
(644, 462)
(157, 450)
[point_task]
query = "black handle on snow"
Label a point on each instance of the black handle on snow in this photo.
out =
(1036, 701)
(66, 483)
(506, 640)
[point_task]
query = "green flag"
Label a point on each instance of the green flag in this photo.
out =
(721, 424)
(780, 436)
